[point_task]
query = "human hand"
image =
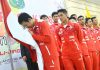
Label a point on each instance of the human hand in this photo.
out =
(24, 58)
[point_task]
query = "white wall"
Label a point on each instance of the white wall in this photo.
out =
(78, 7)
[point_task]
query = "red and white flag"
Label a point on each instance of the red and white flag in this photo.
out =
(17, 32)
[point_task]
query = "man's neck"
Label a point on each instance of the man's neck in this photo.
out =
(95, 26)
(82, 25)
(55, 21)
(89, 26)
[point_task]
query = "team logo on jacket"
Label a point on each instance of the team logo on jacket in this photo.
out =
(60, 31)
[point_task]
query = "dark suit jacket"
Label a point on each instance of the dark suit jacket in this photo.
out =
(30, 64)
(25, 52)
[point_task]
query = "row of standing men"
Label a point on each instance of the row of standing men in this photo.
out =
(70, 45)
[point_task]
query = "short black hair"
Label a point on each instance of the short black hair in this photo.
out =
(63, 11)
(80, 16)
(86, 20)
(93, 18)
(72, 16)
(23, 17)
(43, 16)
(54, 13)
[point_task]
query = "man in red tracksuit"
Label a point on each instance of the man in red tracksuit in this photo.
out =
(41, 33)
(96, 30)
(96, 35)
(93, 49)
(86, 57)
(97, 43)
(71, 36)
(54, 27)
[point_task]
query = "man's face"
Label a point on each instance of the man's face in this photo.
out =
(81, 20)
(55, 18)
(95, 21)
(28, 24)
(62, 16)
(75, 16)
(89, 23)
(45, 19)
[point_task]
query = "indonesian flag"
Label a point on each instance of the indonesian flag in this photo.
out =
(17, 32)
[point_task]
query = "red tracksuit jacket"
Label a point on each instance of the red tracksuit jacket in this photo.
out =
(54, 27)
(89, 39)
(95, 33)
(45, 40)
(84, 47)
(71, 37)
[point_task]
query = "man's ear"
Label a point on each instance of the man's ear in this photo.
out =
(86, 24)
(67, 15)
(29, 19)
